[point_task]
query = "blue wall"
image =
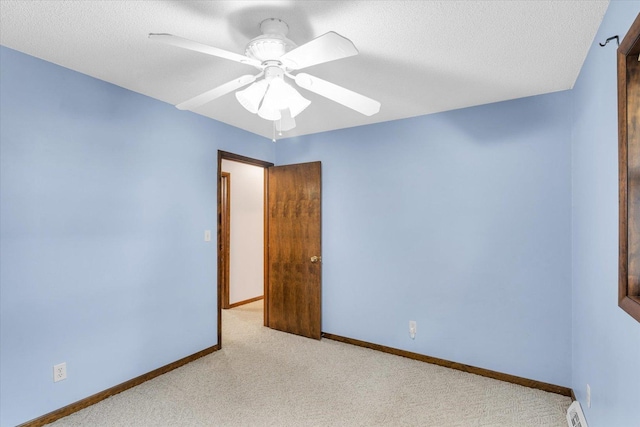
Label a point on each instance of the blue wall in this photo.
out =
(460, 221)
(606, 340)
(105, 196)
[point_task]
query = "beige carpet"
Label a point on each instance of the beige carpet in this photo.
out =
(263, 377)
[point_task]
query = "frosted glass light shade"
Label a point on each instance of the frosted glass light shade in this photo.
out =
(269, 109)
(250, 97)
(286, 96)
(268, 97)
(286, 122)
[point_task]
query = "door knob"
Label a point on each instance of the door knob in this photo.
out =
(315, 259)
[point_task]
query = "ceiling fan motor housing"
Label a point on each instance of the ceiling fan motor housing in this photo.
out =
(273, 43)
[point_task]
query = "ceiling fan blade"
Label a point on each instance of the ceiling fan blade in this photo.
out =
(217, 92)
(346, 97)
(325, 48)
(286, 122)
(202, 48)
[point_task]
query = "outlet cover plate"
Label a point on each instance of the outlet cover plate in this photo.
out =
(59, 372)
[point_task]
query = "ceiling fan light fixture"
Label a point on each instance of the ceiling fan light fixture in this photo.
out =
(286, 122)
(281, 96)
(286, 97)
(269, 108)
(250, 97)
(298, 104)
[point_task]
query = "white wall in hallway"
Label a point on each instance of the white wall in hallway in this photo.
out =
(246, 251)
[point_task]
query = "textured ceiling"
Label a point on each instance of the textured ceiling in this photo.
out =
(416, 57)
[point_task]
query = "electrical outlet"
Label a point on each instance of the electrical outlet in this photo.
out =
(59, 372)
(413, 328)
(207, 235)
(588, 396)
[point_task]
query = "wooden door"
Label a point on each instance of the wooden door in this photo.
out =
(294, 249)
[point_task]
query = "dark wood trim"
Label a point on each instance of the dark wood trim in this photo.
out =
(93, 399)
(630, 44)
(573, 396)
(552, 388)
(622, 177)
(242, 159)
(265, 279)
(219, 278)
(628, 148)
(631, 305)
(247, 301)
(225, 230)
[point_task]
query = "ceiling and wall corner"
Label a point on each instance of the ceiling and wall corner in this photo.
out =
(416, 57)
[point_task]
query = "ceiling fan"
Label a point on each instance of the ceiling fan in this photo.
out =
(269, 95)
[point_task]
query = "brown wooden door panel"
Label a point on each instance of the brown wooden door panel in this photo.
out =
(294, 238)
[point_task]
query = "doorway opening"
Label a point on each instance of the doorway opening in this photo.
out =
(241, 231)
(290, 238)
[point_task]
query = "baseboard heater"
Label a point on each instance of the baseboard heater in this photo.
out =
(575, 416)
